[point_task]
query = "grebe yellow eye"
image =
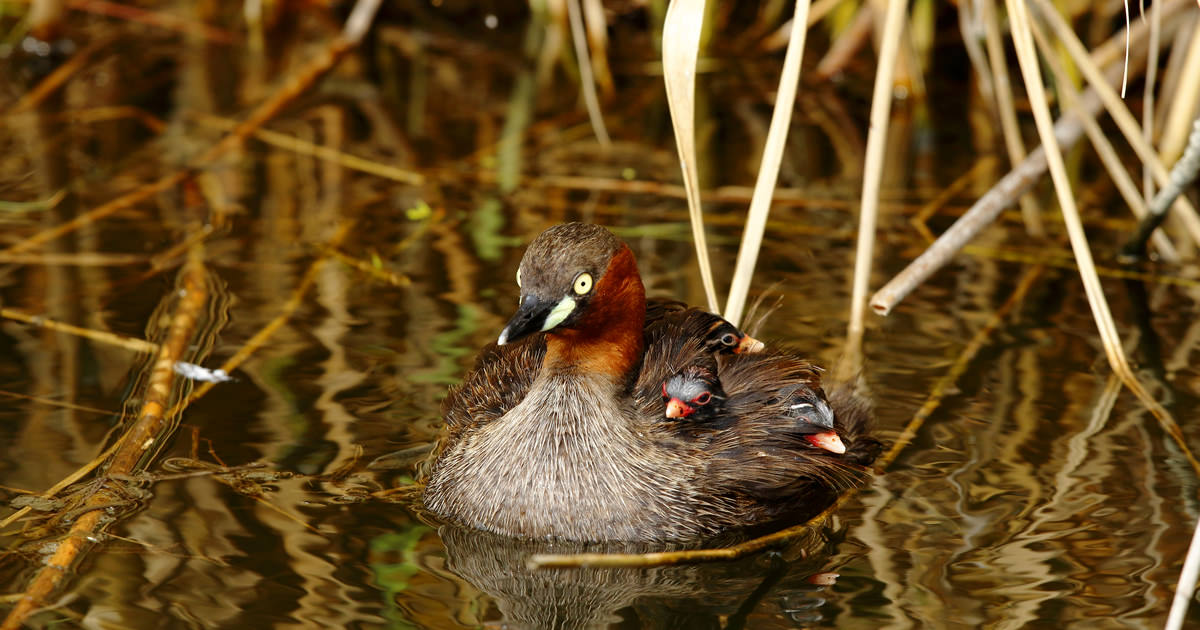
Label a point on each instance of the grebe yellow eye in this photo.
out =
(518, 276)
(583, 283)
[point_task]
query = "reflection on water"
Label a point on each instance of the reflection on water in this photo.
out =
(1037, 494)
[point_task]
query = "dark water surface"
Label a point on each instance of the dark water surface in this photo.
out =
(1038, 493)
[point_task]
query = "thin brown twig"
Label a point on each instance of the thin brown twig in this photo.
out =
(121, 341)
(152, 423)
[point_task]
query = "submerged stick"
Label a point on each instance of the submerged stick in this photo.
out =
(152, 423)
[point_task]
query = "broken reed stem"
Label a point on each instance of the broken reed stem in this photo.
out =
(681, 47)
(1104, 149)
(881, 107)
(151, 425)
(1027, 57)
(943, 387)
(768, 169)
(1016, 182)
(1118, 111)
(1182, 174)
(121, 341)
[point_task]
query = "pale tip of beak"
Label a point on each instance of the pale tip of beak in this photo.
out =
(750, 345)
(503, 338)
(676, 409)
(828, 441)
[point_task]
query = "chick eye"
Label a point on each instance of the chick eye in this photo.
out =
(702, 399)
(518, 276)
(583, 283)
(728, 338)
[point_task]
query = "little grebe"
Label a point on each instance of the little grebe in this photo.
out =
(559, 431)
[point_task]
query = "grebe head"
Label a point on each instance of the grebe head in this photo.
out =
(574, 276)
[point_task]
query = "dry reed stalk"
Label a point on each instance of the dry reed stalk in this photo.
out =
(768, 169)
(681, 47)
(356, 25)
(597, 35)
(1187, 583)
(842, 50)
(782, 35)
(1118, 110)
(121, 341)
(1027, 57)
(1007, 111)
(1104, 149)
(1148, 91)
(881, 107)
(941, 389)
(587, 81)
(1017, 181)
(46, 18)
(970, 25)
(151, 425)
(1183, 109)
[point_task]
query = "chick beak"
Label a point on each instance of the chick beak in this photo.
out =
(828, 441)
(749, 345)
(677, 409)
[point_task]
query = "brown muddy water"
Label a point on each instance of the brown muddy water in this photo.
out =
(1037, 493)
